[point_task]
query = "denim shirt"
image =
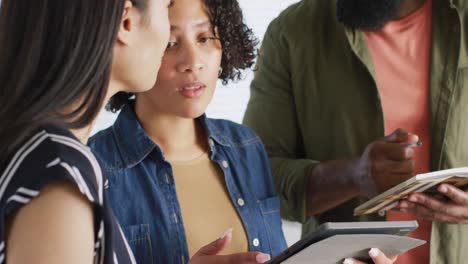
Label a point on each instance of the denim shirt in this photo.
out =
(142, 192)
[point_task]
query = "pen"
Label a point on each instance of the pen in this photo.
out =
(414, 144)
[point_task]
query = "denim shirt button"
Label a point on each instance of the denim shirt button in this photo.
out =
(225, 164)
(167, 178)
(256, 242)
(240, 202)
(211, 142)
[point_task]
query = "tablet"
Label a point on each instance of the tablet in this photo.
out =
(398, 228)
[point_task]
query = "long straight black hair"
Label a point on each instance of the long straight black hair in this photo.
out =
(55, 64)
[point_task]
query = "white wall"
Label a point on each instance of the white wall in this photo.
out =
(230, 101)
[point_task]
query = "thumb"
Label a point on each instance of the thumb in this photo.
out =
(216, 246)
(379, 258)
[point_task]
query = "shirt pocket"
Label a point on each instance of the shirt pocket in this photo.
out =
(270, 209)
(139, 240)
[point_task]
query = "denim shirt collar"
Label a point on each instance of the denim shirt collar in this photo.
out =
(132, 141)
(135, 145)
(212, 132)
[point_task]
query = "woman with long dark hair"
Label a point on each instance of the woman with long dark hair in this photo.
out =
(59, 62)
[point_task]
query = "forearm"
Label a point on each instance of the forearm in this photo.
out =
(330, 184)
(385, 163)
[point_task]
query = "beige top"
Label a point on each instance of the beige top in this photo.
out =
(207, 209)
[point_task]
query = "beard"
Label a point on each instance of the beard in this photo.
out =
(367, 15)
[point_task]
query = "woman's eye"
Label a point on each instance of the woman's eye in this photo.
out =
(206, 39)
(171, 44)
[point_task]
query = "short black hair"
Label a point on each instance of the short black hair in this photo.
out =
(239, 45)
(367, 15)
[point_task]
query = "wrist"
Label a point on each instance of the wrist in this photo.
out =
(361, 176)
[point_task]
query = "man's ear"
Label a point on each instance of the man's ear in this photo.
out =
(127, 24)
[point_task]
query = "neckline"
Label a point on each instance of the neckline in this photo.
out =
(202, 157)
(404, 22)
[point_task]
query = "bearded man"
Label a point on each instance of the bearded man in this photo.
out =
(344, 89)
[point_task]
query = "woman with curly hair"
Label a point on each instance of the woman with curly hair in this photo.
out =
(178, 179)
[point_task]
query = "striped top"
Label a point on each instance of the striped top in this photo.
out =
(54, 155)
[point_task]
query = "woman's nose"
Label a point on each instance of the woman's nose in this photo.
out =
(191, 60)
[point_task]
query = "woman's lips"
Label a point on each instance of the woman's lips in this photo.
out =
(192, 90)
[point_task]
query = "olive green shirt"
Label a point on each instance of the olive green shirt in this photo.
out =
(315, 98)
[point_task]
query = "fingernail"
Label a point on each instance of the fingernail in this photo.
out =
(443, 189)
(404, 205)
(374, 252)
(348, 261)
(413, 199)
(227, 233)
(262, 258)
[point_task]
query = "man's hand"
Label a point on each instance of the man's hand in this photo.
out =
(386, 163)
(452, 208)
(377, 257)
(208, 254)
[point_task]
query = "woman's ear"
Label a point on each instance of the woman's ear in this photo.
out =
(127, 24)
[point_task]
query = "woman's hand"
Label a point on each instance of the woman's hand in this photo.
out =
(377, 257)
(208, 253)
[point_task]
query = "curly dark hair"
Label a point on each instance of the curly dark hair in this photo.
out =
(239, 45)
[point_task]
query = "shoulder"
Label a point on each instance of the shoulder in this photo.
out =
(105, 146)
(462, 5)
(51, 146)
(231, 133)
(68, 149)
(48, 157)
(102, 138)
(122, 145)
(305, 28)
(64, 150)
(304, 15)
